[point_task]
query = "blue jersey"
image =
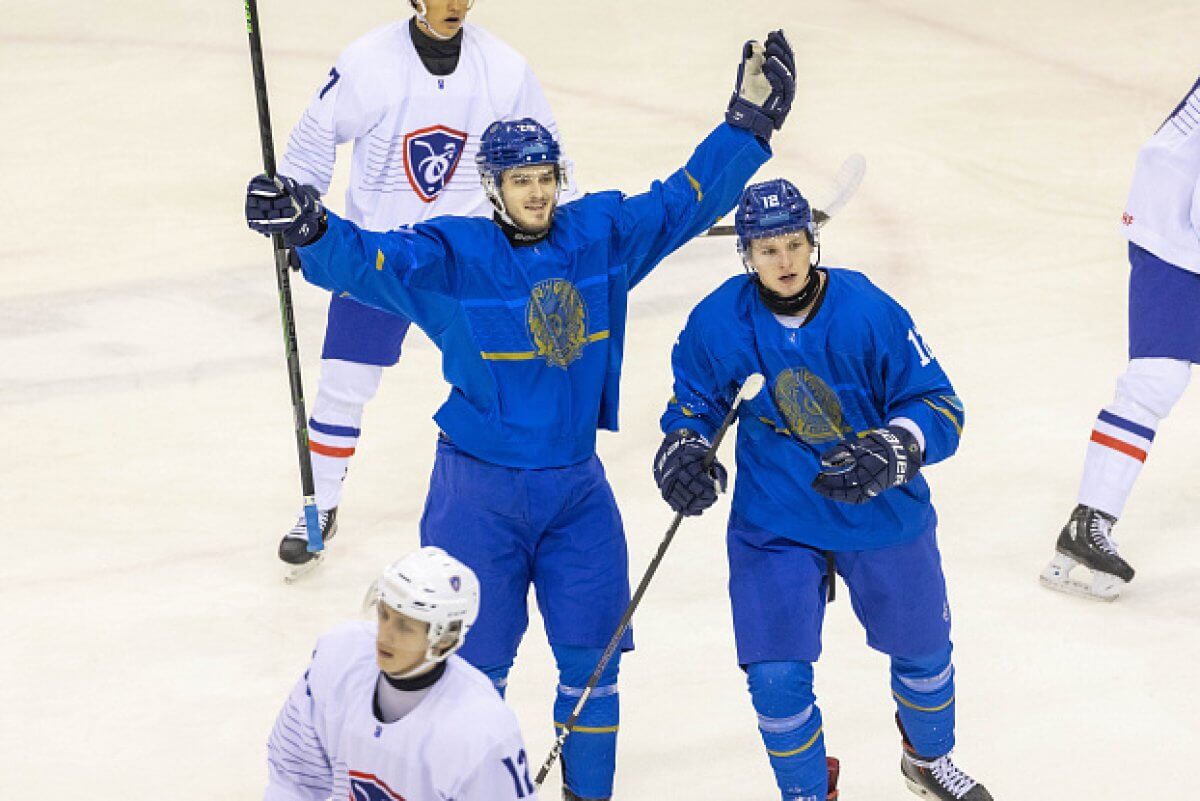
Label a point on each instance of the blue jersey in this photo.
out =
(532, 337)
(857, 363)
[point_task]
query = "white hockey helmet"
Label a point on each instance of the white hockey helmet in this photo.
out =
(431, 586)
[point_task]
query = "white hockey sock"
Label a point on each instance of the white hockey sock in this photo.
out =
(1125, 429)
(334, 423)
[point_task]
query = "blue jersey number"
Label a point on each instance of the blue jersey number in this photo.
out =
(334, 75)
(520, 774)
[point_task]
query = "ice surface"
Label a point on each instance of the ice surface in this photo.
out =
(146, 639)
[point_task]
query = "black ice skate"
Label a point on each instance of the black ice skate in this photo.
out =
(937, 777)
(293, 548)
(1086, 541)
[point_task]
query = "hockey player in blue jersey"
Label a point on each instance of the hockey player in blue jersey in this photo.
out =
(828, 481)
(529, 311)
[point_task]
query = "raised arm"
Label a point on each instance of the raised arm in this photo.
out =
(654, 224)
(411, 271)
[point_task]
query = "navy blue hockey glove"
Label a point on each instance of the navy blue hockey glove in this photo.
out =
(766, 86)
(686, 485)
(282, 206)
(855, 472)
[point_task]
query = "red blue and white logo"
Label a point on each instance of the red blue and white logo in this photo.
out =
(430, 158)
(369, 787)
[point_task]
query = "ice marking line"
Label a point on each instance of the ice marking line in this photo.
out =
(1007, 47)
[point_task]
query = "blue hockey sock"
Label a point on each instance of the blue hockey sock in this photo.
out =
(590, 752)
(499, 676)
(790, 724)
(924, 692)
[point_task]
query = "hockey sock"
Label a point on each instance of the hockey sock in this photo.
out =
(590, 752)
(1125, 429)
(790, 724)
(334, 423)
(499, 677)
(924, 693)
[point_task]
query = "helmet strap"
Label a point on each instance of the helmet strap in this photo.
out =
(426, 28)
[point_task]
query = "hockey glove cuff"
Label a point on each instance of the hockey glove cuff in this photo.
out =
(686, 484)
(281, 206)
(855, 472)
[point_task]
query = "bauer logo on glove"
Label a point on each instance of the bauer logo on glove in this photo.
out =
(855, 472)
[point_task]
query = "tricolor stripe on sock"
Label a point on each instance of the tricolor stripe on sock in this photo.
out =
(330, 440)
(1121, 435)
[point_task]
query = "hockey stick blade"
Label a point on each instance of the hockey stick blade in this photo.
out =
(843, 187)
(750, 387)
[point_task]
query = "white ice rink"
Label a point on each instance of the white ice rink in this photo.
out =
(148, 470)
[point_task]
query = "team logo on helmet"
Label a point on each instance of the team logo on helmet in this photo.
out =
(368, 787)
(430, 158)
(455, 583)
(557, 321)
(812, 410)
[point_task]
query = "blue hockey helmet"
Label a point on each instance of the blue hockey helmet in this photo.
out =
(515, 143)
(771, 208)
(507, 144)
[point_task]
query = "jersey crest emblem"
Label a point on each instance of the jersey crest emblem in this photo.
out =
(556, 317)
(810, 407)
(430, 157)
(369, 787)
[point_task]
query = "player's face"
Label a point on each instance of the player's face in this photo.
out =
(782, 262)
(446, 17)
(401, 643)
(530, 194)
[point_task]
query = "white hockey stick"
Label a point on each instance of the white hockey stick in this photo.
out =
(845, 184)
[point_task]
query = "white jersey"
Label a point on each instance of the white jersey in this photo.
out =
(415, 134)
(460, 743)
(1163, 212)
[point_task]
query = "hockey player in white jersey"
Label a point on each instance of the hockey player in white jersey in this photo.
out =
(414, 98)
(1162, 223)
(386, 712)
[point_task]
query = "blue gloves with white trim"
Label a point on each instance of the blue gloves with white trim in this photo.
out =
(855, 472)
(281, 206)
(686, 484)
(766, 86)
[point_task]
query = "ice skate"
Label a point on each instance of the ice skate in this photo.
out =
(293, 548)
(940, 778)
(1086, 541)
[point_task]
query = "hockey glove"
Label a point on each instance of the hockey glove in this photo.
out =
(855, 472)
(686, 485)
(766, 86)
(281, 206)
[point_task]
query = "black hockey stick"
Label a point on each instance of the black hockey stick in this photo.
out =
(290, 346)
(750, 387)
(849, 177)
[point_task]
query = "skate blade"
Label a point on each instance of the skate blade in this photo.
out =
(916, 788)
(1057, 576)
(297, 572)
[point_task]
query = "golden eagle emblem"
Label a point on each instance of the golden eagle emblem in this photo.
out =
(557, 321)
(812, 410)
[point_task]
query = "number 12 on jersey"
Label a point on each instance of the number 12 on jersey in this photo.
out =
(519, 772)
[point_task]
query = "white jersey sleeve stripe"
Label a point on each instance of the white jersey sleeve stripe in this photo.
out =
(298, 767)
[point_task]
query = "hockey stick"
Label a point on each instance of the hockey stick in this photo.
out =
(750, 387)
(847, 181)
(290, 346)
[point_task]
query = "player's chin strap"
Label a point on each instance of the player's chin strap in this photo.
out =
(789, 304)
(423, 18)
(491, 189)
